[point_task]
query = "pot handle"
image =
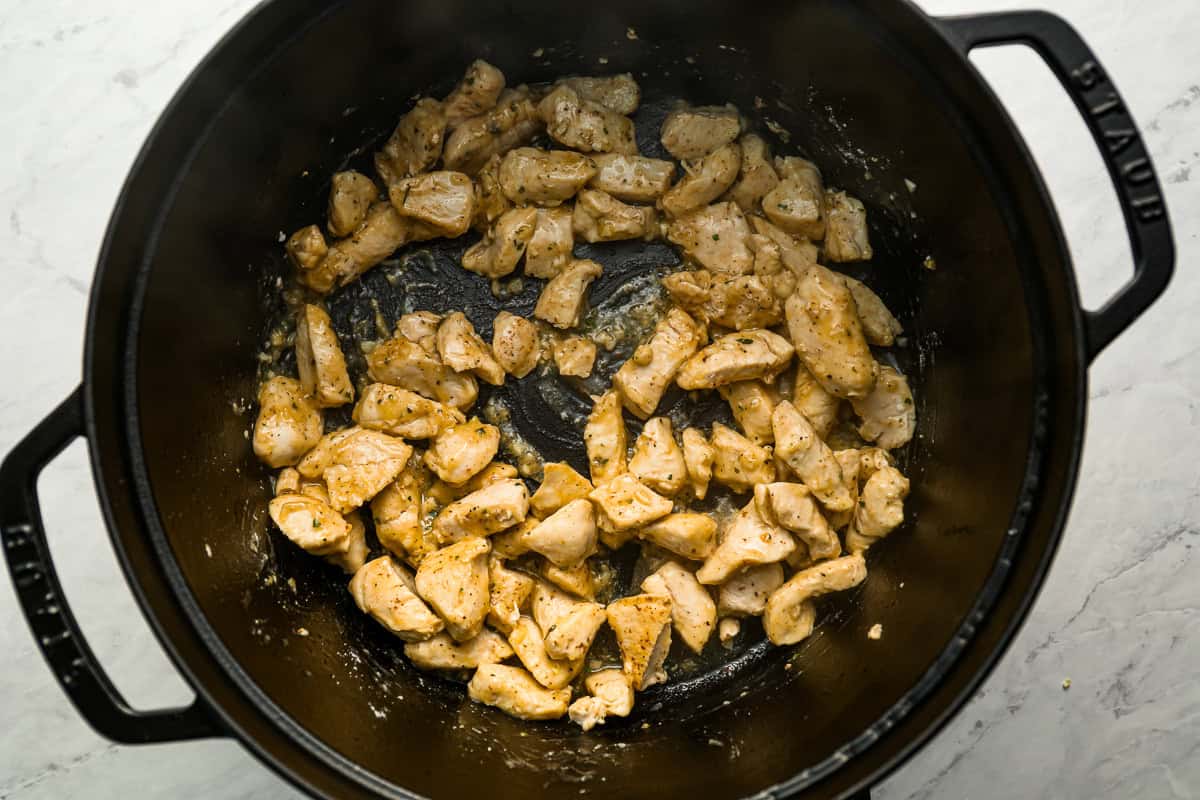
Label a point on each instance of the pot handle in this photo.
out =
(45, 606)
(1121, 146)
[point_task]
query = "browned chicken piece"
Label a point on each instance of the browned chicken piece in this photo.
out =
(289, 423)
(574, 356)
(512, 123)
(397, 513)
(416, 143)
(871, 460)
(287, 481)
(399, 362)
(742, 356)
(380, 234)
(632, 178)
(444, 493)
(797, 253)
(442, 652)
(699, 456)
(693, 612)
(795, 205)
(824, 326)
(350, 195)
(880, 509)
(549, 251)
(361, 465)
(572, 633)
(752, 406)
(703, 181)
(510, 592)
(516, 693)
(462, 350)
(459, 452)
(846, 237)
(797, 443)
(312, 525)
(512, 543)
(532, 176)
(403, 413)
(600, 217)
(686, 534)
(560, 485)
(319, 359)
(770, 269)
(454, 581)
(888, 414)
(515, 344)
(420, 327)
(818, 406)
(625, 503)
(756, 177)
(788, 616)
(604, 438)
(715, 237)
(878, 324)
(528, 642)
(490, 200)
(610, 696)
(564, 297)
(746, 593)
(386, 591)
(489, 510)
(442, 201)
(748, 540)
(566, 537)
(579, 580)
(477, 92)
(306, 247)
(322, 454)
(619, 93)
(737, 302)
(644, 378)
(642, 624)
(738, 462)
(584, 125)
(692, 133)
(850, 463)
(791, 506)
(657, 460)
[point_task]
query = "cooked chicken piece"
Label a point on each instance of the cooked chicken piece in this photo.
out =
(490, 201)
(564, 297)
(584, 125)
(549, 251)
(574, 356)
(619, 93)
(509, 593)
(693, 611)
(515, 344)
(703, 181)
(350, 195)
(499, 251)
(698, 455)
(416, 143)
(550, 604)
(531, 176)
(289, 422)
(287, 481)
(727, 631)
(644, 378)
(442, 201)
(477, 92)
(481, 513)
(420, 327)
(604, 438)
(742, 356)
(579, 580)
(878, 324)
(403, 413)
(845, 437)
(462, 350)
(738, 462)
(459, 452)
(752, 406)
(880, 509)
(824, 326)
(397, 513)
(560, 485)
(795, 204)
(306, 247)
(600, 217)
(321, 455)
(788, 617)
(792, 506)
(569, 637)
(351, 558)
(849, 461)
(442, 652)
(632, 178)
(846, 236)
(360, 465)
(642, 624)
(528, 642)
(748, 540)
(888, 414)
(516, 693)
(756, 177)
(512, 123)
(657, 460)
(566, 537)
(399, 362)
(871, 460)
(738, 302)
(769, 268)
(380, 234)
(797, 443)
(692, 133)
(797, 254)
(686, 534)
(611, 696)
(444, 493)
(454, 581)
(746, 593)
(818, 406)
(715, 237)
(513, 543)
(312, 524)
(624, 503)
(386, 591)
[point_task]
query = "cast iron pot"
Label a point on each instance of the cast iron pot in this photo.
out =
(876, 92)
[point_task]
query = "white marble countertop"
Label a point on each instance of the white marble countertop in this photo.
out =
(1120, 612)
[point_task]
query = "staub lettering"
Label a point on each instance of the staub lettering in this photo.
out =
(1087, 75)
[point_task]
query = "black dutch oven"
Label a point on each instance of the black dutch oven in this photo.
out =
(876, 92)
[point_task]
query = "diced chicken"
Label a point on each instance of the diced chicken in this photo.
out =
(560, 485)
(442, 201)
(749, 540)
(461, 349)
(399, 362)
(715, 237)
(825, 329)
(846, 237)
(499, 251)
(287, 481)
(624, 503)
(477, 92)
(850, 463)
(818, 406)
(797, 443)
(600, 217)
(289, 422)
(642, 624)
(574, 356)
(738, 302)
(746, 593)
(315, 461)
(459, 452)
(490, 510)
(361, 465)
(880, 509)
(571, 634)
(738, 462)
(512, 123)
(579, 580)
(306, 247)
(789, 616)
(752, 406)
(792, 506)
(619, 93)
(397, 514)
(490, 200)
(515, 344)
(386, 591)
(416, 143)
(878, 324)
(727, 631)
(797, 254)
(403, 413)
(692, 133)
(509, 594)
(444, 493)
(549, 250)
(516, 693)
(604, 438)
(795, 205)
(632, 178)
(354, 556)
(585, 125)
(564, 297)
(693, 612)
(350, 195)
(454, 581)
(756, 177)
(686, 534)
(871, 460)
(528, 642)
(769, 268)
(611, 695)
(531, 176)
(442, 652)
(699, 456)
(644, 378)
(566, 537)
(380, 234)
(311, 524)
(549, 604)
(657, 460)
(888, 414)
(703, 181)
(420, 327)
(512, 543)
(742, 356)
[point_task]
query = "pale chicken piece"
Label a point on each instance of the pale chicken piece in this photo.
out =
(871, 460)
(888, 415)
(585, 125)
(824, 326)
(355, 554)
(703, 180)
(788, 615)
(454, 581)
(397, 513)
(442, 652)
(716, 237)
(644, 378)
(550, 249)
(851, 466)
(742, 356)
(416, 143)
(386, 591)
(512, 123)
(560, 485)
(797, 254)
(463, 450)
(619, 93)
(420, 327)
(737, 302)
(770, 269)
(686, 534)
(287, 481)
(691, 133)
(477, 92)
(569, 637)
(311, 524)
(289, 423)
(400, 362)
(490, 201)
(380, 234)
(610, 695)
(403, 413)
(350, 195)
(499, 251)
(604, 438)
(791, 506)
(878, 324)
(306, 247)
(756, 177)
(489, 510)
(657, 460)
(321, 455)
(442, 201)
(818, 406)
(600, 217)
(880, 509)
(625, 503)
(795, 205)
(746, 593)
(564, 297)
(461, 349)
(574, 356)
(361, 465)
(846, 237)
(642, 624)
(516, 693)
(632, 178)
(748, 540)
(515, 344)
(566, 537)
(532, 176)
(698, 455)
(528, 642)
(511, 543)
(797, 443)
(444, 493)
(752, 406)
(738, 462)
(727, 631)
(509, 593)
(549, 604)
(693, 612)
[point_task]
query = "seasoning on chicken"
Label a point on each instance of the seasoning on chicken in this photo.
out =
(454, 581)
(574, 356)
(748, 540)
(737, 302)
(564, 297)
(693, 612)
(873, 459)
(642, 624)
(644, 378)
(818, 406)
(880, 509)
(566, 537)
(443, 201)
(703, 180)
(797, 254)
(788, 617)
(657, 460)
(878, 324)
(686, 534)
(512, 123)
(624, 503)
(462, 350)
(738, 462)
(446, 493)
(699, 456)
(288, 424)
(416, 143)
(531, 176)
(481, 513)
(306, 247)
(386, 591)
(715, 237)
(610, 695)
(584, 125)
(769, 268)
(490, 201)
(516, 693)
(756, 177)
(499, 251)
(509, 594)
(350, 195)
(380, 234)
(632, 178)
(825, 329)
(403, 413)
(745, 355)
(442, 652)
(400, 362)
(528, 642)
(746, 593)
(692, 133)
(797, 443)
(515, 344)
(795, 205)
(550, 249)
(600, 217)
(571, 634)
(312, 525)
(560, 485)
(420, 327)
(752, 406)
(888, 415)
(397, 514)
(619, 93)
(459, 452)
(604, 438)
(792, 506)
(846, 236)
(549, 604)
(359, 465)
(477, 92)
(511, 543)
